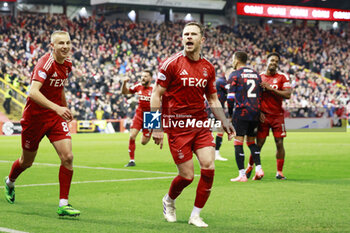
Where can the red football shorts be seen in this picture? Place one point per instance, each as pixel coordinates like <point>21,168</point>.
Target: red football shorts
<point>276,123</point>
<point>183,144</point>
<point>33,131</point>
<point>137,123</point>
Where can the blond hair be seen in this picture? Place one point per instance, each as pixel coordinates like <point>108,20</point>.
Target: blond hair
<point>53,35</point>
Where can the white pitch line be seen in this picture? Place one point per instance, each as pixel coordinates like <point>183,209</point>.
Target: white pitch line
<point>96,181</point>
<point>99,168</point>
<point>2,229</point>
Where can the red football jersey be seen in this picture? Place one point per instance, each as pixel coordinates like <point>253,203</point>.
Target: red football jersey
<point>271,103</point>
<point>53,76</point>
<point>144,94</point>
<point>186,81</point>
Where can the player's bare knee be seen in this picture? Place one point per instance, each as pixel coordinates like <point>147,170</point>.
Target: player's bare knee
<point>280,147</point>
<point>67,158</point>
<point>279,142</point>
<point>189,175</point>
<point>208,165</point>
<point>144,141</point>
<point>26,164</point>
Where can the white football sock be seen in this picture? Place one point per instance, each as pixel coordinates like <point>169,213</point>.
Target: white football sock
<point>63,202</point>
<point>10,183</point>
<point>169,199</point>
<point>196,211</point>
<point>257,168</point>
<point>242,172</point>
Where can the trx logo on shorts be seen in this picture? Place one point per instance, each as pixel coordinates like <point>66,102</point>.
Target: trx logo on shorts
<point>180,154</point>
<point>27,144</point>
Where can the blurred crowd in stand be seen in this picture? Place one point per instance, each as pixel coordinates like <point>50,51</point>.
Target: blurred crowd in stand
<point>104,52</point>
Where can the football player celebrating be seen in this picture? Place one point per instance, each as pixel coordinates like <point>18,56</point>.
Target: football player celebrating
<point>46,113</point>
<point>276,88</point>
<point>144,90</point>
<point>182,82</point>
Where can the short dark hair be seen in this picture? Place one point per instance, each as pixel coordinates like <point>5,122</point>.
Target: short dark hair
<point>241,56</point>
<point>148,71</point>
<point>199,25</point>
<point>274,54</point>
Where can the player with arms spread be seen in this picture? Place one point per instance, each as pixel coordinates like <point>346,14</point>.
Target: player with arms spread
<point>245,87</point>
<point>144,91</point>
<point>46,113</point>
<point>182,82</point>
<point>276,88</point>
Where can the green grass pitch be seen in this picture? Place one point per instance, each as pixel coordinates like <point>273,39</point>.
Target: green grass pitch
<point>315,198</point>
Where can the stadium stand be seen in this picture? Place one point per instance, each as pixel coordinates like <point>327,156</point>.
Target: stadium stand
<point>104,51</point>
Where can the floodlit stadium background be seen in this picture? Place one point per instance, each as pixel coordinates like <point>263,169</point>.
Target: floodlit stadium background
<point>114,39</point>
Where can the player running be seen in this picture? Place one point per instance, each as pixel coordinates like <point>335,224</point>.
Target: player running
<point>276,88</point>
<point>46,113</point>
<point>182,82</point>
<point>245,87</point>
<point>144,90</point>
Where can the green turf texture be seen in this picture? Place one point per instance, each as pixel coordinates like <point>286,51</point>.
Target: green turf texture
<point>315,198</point>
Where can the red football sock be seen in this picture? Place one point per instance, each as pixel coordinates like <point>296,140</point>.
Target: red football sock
<point>177,185</point>
<point>204,187</point>
<point>280,163</point>
<point>16,170</point>
<point>65,179</point>
<point>132,147</point>
<point>251,160</point>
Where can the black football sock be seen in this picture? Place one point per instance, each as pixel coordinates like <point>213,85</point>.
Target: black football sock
<point>239,156</point>
<point>255,152</point>
<point>218,142</point>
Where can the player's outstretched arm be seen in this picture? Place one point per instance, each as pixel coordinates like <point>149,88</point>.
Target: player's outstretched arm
<point>40,99</point>
<point>156,97</point>
<point>125,89</point>
<point>216,108</point>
